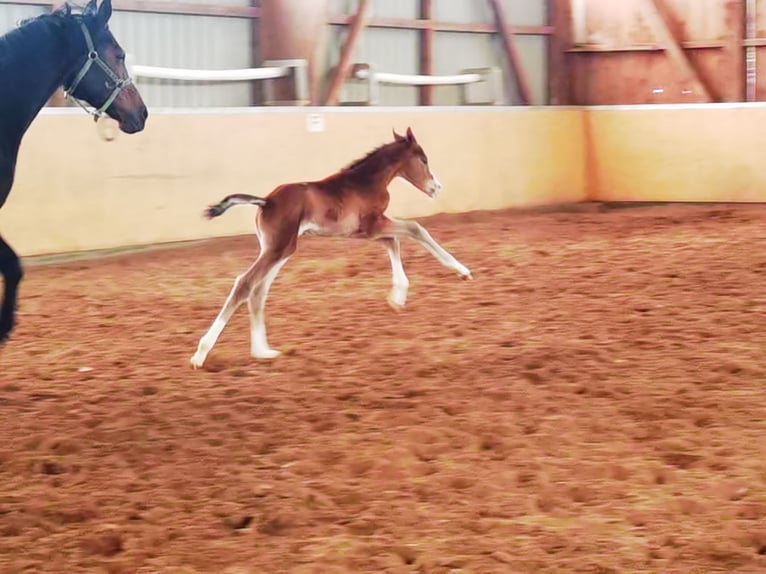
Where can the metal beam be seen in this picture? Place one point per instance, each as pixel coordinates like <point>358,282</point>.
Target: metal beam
<point>511,52</point>
<point>688,45</point>
<point>406,24</point>
<point>559,71</point>
<point>656,14</point>
<point>751,52</point>
<point>426,52</point>
<point>732,73</point>
<point>344,62</point>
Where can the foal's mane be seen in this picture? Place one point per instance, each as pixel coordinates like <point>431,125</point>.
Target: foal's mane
<point>376,160</point>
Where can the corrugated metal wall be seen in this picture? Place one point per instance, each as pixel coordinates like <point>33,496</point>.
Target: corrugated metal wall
<point>388,50</point>
<point>206,42</point>
<point>396,51</point>
<point>623,23</point>
<point>195,42</point>
<point>176,41</point>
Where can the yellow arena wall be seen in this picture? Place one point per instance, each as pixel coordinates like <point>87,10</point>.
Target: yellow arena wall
<point>701,153</point>
<point>76,192</point>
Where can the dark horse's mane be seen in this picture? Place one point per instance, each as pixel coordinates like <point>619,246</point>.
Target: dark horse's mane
<point>23,33</point>
<point>26,38</point>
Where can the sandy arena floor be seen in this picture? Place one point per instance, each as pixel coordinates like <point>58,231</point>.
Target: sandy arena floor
<point>595,401</point>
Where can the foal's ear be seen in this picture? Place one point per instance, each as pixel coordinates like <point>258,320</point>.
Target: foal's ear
<point>409,138</point>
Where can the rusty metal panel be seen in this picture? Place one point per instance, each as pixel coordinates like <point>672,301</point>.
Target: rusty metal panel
<point>700,19</point>
<point>11,14</point>
<point>760,14</point>
<point>192,42</point>
<point>617,24</point>
<point>640,75</point>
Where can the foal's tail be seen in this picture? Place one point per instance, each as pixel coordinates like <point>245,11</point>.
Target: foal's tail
<point>232,200</point>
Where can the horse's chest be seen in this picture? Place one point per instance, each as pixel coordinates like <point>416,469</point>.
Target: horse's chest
<point>6,182</point>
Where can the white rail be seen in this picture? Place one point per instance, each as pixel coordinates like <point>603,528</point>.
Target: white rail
<point>417,79</point>
<point>275,69</point>
<point>157,73</point>
<point>491,77</point>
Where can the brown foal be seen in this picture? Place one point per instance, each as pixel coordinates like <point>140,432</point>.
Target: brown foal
<point>349,203</point>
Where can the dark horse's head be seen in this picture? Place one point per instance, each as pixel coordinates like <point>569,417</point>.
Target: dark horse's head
<point>100,77</point>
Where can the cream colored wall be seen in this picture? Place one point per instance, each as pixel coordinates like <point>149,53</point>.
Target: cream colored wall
<point>678,153</point>
<point>76,192</point>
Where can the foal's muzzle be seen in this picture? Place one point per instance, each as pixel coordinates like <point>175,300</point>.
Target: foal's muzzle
<point>433,188</point>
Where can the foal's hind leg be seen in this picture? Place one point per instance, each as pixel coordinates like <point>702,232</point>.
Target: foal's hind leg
<point>398,295</point>
<point>10,269</point>
<point>241,292</point>
<point>259,345</point>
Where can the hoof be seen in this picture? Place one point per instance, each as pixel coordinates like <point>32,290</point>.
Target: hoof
<point>197,362</point>
<point>266,354</point>
<point>397,298</point>
<point>463,271</point>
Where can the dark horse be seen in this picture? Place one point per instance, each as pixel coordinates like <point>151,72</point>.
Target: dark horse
<point>78,52</point>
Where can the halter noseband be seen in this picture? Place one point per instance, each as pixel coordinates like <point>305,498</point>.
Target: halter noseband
<point>94,58</point>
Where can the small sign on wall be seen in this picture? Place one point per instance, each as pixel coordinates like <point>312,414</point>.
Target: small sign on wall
<point>315,123</point>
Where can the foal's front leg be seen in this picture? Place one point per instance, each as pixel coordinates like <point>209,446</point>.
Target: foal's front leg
<point>398,295</point>
<point>400,228</point>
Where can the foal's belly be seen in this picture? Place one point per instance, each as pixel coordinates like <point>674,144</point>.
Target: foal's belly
<point>344,227</point>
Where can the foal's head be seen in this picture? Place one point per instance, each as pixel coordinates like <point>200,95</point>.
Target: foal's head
<point>414,167</point>
<point>106,84</point>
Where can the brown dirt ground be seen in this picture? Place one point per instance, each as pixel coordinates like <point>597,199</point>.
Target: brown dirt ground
<point>595,401</point>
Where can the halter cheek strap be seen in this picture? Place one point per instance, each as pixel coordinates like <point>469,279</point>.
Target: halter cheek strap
<point>94,58</point>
